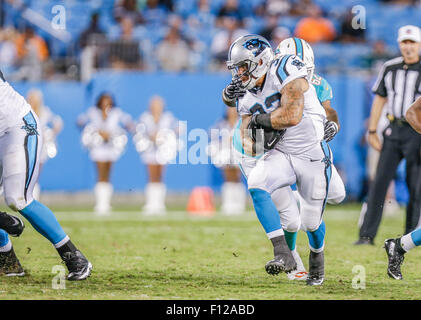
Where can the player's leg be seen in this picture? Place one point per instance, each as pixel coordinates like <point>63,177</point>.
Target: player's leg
<point>396,249</point>
<point>287,206</point>
<point>9,263</point>
<point>411,151</point>
<point>103,189</point>
<point>272,171</point>
<point>337,191</point>
<point>20,156</point>
<point>314,172</point>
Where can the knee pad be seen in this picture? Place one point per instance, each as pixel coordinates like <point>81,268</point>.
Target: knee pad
<point>337,199</point>
<point>311,218</point>
<point>292,226</point>
<point>257,179</point>
<point>16,203</point>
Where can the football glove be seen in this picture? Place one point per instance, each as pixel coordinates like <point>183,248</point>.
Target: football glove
<point>234,90</point>
<point>331,129</point>
<point>269,137</point>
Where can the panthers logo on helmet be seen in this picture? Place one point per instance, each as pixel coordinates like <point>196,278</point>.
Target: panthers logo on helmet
<point>298,64</point>
<point>256,46</point>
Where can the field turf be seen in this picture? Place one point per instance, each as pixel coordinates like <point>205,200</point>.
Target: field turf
<point>182,257</point>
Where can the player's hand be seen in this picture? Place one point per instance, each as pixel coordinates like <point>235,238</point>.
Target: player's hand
<point>374,141</point>
<point>234,90</point>
<point>331,130</point>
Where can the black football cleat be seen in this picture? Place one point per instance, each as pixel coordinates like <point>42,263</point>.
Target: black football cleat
<point>395,259</point>
<point>79,267</point>
<point>364,241</point>
<point>316,273</point>
<point>10,265</point>
<point>283,261</point>
<point>11,224</point>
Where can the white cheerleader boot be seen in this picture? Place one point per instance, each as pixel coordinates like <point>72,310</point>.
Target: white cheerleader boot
<point>155,194</point>
<point>103,192</point>
<point>233,198</point>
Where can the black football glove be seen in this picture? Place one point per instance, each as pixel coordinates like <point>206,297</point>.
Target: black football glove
<point>269,137</point>
<point>331,129</point>
<point>234,90</point>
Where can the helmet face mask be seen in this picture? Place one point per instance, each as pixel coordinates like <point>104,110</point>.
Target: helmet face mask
<point>249,59</point>
<point>244,71</point>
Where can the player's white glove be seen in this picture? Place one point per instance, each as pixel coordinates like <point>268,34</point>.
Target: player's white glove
<point>331,129</point>
<point>234,90</point>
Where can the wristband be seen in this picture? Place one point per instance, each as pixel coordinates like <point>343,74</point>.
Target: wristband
<point>372,131</point>
<point>264,121</point>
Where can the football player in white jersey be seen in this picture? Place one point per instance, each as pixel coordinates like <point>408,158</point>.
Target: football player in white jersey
<point>303,50</point>
<point>156,142</point>
<point>280,99</point>
<point>289,214</point>
<point>20,148</point>
<point>104,135</point>
<point>51,125</point>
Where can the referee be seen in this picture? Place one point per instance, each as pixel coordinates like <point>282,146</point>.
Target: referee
<point>397,87</point>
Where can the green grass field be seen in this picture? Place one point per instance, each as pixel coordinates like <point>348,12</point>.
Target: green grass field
<point>183,257</point>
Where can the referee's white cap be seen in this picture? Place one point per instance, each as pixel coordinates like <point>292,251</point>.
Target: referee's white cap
<point>409,32</point>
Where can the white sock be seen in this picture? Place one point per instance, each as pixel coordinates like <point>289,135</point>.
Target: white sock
<point>7,247</point>
<point>276,233</point>
<point>297,258</point>
<point>407,243</point>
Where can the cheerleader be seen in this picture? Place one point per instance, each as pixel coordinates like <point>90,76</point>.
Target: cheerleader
<point>233,193</point>
<point>156,142</point>
<point>104,134</point>
<point>51,125</point>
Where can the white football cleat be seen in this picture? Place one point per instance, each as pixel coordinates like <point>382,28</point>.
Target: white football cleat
<point>297,275</point>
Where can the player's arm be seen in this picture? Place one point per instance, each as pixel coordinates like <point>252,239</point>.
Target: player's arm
<point>331,126</point>
<point>249,145</point>
<point>331,114</point>
<point>413,115</point>
<point>291,108</point>
<point>375,114</point>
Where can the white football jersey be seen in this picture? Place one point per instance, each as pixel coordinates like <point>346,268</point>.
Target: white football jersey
<point>112,123</point>
<point>13,107</point>
<point>310,130</point>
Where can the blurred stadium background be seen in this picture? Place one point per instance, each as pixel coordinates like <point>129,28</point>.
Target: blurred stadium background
<point>177,49</point>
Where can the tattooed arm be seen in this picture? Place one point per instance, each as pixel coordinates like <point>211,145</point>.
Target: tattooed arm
<point>331,114</point>
<point>290,112</point>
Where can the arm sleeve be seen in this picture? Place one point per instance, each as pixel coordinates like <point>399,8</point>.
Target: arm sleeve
<point>379,86</point>
<point>326,93</point>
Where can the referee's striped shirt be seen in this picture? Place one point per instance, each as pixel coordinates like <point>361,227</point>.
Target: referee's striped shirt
<point>400,83</point>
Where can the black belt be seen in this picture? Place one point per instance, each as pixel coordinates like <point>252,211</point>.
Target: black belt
<point>398,121</point>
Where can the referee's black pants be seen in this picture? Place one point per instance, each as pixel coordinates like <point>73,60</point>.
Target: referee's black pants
<point>400,141</point>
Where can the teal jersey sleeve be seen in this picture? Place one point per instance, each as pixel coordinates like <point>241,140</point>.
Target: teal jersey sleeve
<point>323,88</point>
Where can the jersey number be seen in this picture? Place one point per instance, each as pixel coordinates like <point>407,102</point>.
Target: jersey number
<point>257,107</point>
